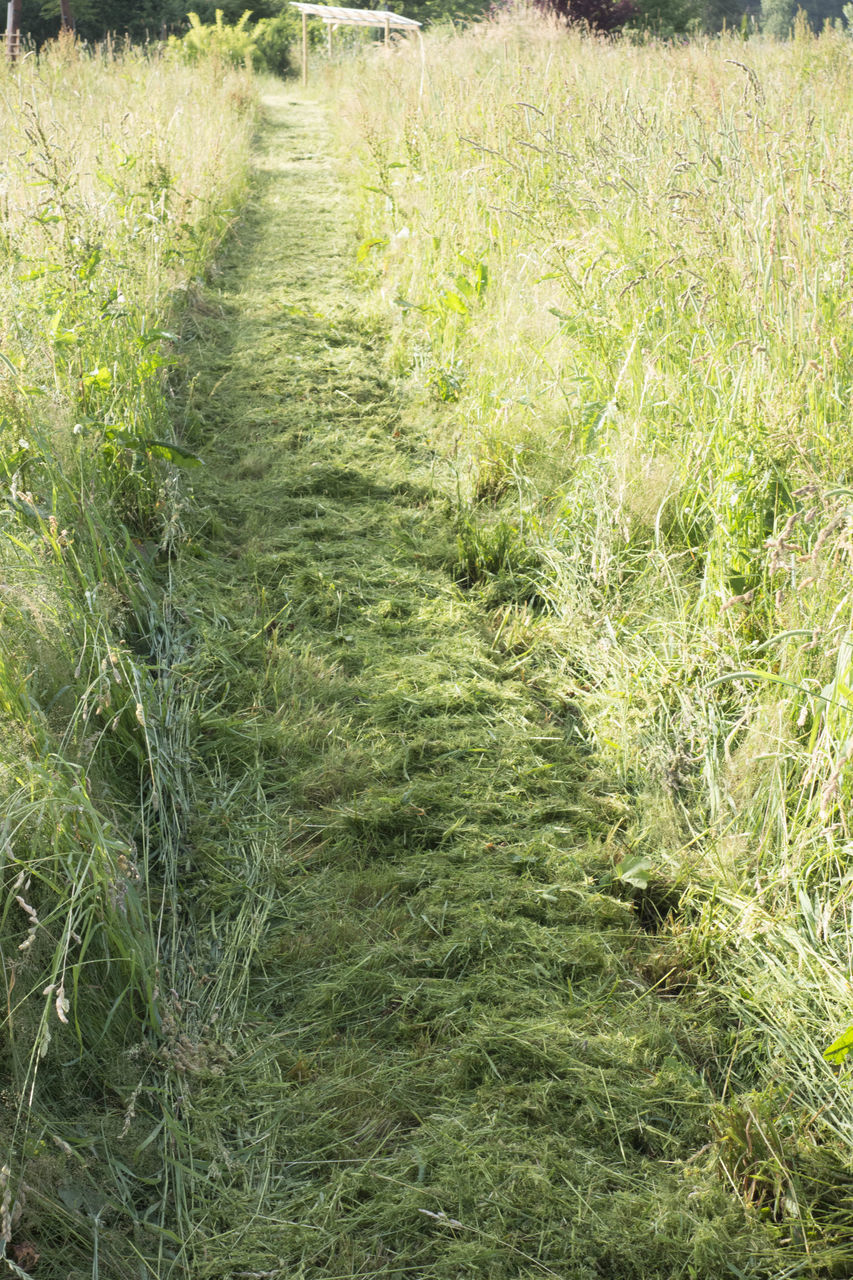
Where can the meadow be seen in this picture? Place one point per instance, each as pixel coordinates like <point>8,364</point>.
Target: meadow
<point>425,666</point>
<point>121,177</point>
<point>619,275</point>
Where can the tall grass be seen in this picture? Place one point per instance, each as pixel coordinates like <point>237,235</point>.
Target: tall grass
<point>121,176</point>
<point>620,275</point>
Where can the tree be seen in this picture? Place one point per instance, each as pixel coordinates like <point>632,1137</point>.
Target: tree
<point>777,17</point>
<point>137,19</point>
<point>598,15</point>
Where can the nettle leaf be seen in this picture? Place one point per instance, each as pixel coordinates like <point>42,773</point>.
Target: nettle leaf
<point>839,1049</point>
<point>100,376</point>
<point>155,335</point>
<point>453,302</point>
<point>372,242</point>
<point>634,871</point>
<point>174,453</point>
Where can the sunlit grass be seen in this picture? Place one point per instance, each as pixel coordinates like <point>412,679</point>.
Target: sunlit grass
<point>622,271</point>
<point>120,176</point>
<point>415,840</point>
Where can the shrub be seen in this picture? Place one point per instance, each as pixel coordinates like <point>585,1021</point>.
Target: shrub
<point>274,39</point>
<point>598,15</point>
<point>263,47</point>
<point>233,45</point>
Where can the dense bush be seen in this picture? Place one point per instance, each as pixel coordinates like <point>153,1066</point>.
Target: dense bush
<point>262,47</point>
<point>233,45</point>
<point>274,40</point>
<point>597,15</point>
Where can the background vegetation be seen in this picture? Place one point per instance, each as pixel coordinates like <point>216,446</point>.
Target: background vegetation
<point>154,20</point>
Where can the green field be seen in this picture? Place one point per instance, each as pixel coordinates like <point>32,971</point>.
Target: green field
<point>425,665</point>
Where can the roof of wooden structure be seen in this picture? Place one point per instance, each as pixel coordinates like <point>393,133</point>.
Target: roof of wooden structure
<point>335,16</point>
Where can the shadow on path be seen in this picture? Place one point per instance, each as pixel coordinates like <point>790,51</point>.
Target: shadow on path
<point>442,1061</point>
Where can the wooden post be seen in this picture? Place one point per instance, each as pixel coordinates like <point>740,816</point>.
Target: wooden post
<point>304,48</point>
<point>329,30</point>
<point>67,17</point>
<point>13,29</point>
<point>387,32</point>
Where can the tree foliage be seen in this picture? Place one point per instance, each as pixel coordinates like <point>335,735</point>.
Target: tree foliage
<point>598,15</point>
<point>274,25</point>
<point>138,20</point>
<point>777,17</point>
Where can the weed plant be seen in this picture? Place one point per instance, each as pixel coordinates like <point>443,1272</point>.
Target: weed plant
<point>619,275</point>
<point>121,174</point>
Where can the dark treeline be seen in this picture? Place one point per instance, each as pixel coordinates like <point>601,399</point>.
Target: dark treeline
<point>147,20</point>
<point>139,20</point>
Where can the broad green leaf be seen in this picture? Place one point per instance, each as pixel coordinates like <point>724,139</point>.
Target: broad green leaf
<point>155,335</point>
<point>372,242</point>
<point>453,302</point>
<point>634,871</point>
<point>839,1049</point>
<point>405,305</point>
<point>173,453</point>
<point>27,508</point>
<point>165,449</point>
<point>99,376</point>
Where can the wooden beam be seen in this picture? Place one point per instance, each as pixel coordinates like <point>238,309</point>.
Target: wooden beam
<point>13,29</point>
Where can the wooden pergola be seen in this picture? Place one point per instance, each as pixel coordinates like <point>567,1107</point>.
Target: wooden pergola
<point>334,17</point>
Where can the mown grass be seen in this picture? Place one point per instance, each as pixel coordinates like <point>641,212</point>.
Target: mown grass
<point>618,273</point>
<point>435,1033</point>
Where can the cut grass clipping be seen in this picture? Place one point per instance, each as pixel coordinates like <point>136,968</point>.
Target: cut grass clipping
<point>447,1042</point>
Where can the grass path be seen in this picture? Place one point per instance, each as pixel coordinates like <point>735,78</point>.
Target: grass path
<point>426,1041</point>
